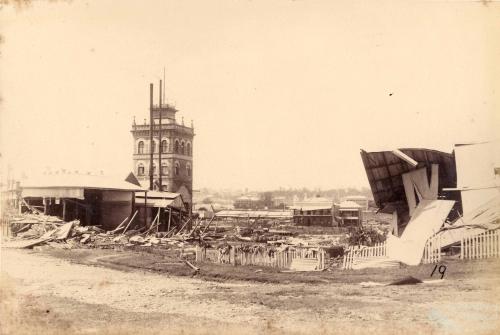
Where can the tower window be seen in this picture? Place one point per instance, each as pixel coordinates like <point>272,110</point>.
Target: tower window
<point>176,147</point>
<point>188,146</point>
<point>164,169</point>
<point>164,146</point>
<point>140,147</point>
<point>182,148</point>
<point>140,169</point>
<point>177,168</point>
<point>188,168</point>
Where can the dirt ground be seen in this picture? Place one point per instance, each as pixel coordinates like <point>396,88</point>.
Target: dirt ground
<point>107,292</point>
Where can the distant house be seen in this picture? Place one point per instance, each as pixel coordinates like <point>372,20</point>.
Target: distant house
<point>313,202</point>
<point>92,199</point>
<point>248,202</point>
<point>279,202</point>
<point>348,213</point>
<point>315,211</point>
<point>313,216</point>
<point>359,199</point>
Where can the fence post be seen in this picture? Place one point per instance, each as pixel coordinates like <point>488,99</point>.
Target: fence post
<point>472,246</point>
<point>232,254</point>
<point>495,242</point>
<point>487,242</point>
<point>464,237</point>
<point>462,248</point>
<point>438,238</point>
<point>479,246</point>
<point>495,245</point>
<point>468,246</point>
<point>344,260</point>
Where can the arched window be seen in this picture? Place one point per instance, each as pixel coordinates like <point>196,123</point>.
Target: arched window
<point>164,169</point>
<point>182,148</point>
<point>188,168</point>
<point>176,147</point>
<point>188,146</point>
<point>140,147</point>
<point>177,168</point>
<point>164,146</point>
<point>140,169</point>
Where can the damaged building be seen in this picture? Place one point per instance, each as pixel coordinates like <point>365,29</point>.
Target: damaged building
<point>166,207</point>
<point>92,199</point>
<point>400,178</point>
<point>440,202</point>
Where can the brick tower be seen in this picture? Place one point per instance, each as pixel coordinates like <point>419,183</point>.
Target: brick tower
<point>174,150</point>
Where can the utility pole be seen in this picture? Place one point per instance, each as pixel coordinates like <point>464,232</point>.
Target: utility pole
<point>151,143</point>
<point>160,147</point>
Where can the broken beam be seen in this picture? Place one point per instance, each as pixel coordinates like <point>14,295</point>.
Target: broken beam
<point>405,157</point>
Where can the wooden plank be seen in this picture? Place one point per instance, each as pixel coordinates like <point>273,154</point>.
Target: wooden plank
<point>64,209</point>
<point>196,226</point>
<point>405,157</point>
<point>132,219</point>
<point>197,269</point>
<point>119,227</point>
<point>64,231</point>
<point>462,248</point>
<point>184,225</point>
<point>169,218</point>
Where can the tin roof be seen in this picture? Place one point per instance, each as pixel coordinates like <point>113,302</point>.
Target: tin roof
<point>82,181</point>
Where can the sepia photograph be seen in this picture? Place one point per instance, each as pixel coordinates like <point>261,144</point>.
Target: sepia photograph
<point>249,167</point>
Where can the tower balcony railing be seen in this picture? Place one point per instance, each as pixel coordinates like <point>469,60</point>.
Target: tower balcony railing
<point>165,106</point>
<point>147,151</point>
<point>164,126</point>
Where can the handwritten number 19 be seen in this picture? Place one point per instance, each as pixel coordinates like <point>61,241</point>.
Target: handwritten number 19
<point>441,270</point>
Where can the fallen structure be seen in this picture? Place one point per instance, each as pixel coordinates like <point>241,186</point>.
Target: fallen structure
<point>438,201</point>
<point>167,209</point>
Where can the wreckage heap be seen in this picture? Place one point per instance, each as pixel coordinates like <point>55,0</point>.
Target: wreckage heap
<point>438,200</point>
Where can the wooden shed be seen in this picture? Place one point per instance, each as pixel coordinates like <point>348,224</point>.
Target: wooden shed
<point>93,199</point>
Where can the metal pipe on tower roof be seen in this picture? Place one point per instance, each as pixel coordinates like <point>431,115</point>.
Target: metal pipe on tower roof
<point>151,144</point>
<point>160,147</point>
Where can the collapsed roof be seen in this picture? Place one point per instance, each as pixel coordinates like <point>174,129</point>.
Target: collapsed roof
<point>385,169</point>
<point>160,200</point>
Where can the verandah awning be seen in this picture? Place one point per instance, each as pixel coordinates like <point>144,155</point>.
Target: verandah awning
<point>53,192</point>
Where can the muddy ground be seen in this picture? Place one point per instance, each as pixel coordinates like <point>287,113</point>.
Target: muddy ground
<point>99,291</point>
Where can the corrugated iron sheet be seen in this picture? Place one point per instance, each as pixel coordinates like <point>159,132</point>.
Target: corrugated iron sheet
<point>384,171</point>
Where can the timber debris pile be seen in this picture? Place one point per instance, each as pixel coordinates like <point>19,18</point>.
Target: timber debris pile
<point>435,206</point>
<point>33,229</point>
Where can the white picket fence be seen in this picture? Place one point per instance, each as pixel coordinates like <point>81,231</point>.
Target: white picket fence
<point>262,257</point>
<point>357,253</point>
<point>484,245</point>
<point>432,250</point>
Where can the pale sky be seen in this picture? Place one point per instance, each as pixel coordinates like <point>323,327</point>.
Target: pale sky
<point>282,93</point>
